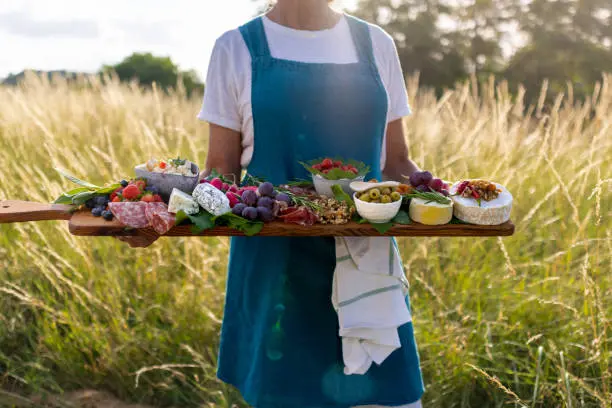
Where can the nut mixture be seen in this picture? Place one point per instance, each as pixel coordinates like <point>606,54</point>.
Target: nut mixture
<point>332,211</point>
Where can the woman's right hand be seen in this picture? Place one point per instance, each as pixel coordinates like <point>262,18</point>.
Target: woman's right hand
<point>138,241</point>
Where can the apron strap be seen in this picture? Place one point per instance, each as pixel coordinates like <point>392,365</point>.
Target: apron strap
<point>360,32</point>
<point>255,38</point>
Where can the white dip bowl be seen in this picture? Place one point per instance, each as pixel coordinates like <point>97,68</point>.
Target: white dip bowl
<point>323,186</point>
<point>377,213</point>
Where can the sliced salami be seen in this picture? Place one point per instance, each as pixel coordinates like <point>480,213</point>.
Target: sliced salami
<point>154,208</point>
<point>162,222</point>
<point>159,217</point>
<point>132,214</point>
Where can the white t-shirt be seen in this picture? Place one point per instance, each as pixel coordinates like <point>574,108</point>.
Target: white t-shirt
<point>227,97</point>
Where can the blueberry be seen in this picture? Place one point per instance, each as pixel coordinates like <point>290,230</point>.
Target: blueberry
<point>101,201</point>
<point>153,189</point>
<point>107,215</point>
<point>97,212</point>
<point>124,183</point>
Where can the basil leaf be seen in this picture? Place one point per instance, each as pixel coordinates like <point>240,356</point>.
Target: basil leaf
<point>382,228</point>
<point>340,195</point>
<point>63,199</point>
<point>180,217</point>
<point>234,221</point>
<point>201,221</point>
<point>402,218</point>
<point>81,198</point>
<point>107,190</point>
<point>74,179</point>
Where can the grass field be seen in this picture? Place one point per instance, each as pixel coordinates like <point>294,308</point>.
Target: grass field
<point>520,321</point>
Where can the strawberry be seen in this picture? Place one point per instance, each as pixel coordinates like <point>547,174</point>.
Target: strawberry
<point>317,166</point>
<point>337,163</point>
<point>117,199</point>
<point>131,192</point>
<point>233,188</point>
<point>225,187</point>
<point>326,171</point>
<point>141,184</point>
<point>327,164</point>
<point>147,198</point>
<point>157,198</point>
<point>354,170</point>
<point>162,165</point>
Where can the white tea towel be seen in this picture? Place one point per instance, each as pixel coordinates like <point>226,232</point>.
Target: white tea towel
<point>369,289</point>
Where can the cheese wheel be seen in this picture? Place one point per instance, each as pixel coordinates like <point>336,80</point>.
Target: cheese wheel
<point>430,213</point>
<point>492,212</point>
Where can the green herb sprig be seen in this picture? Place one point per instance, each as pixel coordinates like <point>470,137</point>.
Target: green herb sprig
<point>429,196</point>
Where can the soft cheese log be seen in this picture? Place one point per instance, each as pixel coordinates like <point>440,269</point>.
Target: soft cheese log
<point>430,213</point>
<point>492,212</point>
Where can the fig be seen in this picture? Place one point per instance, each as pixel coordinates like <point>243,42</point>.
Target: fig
<point>265,202</point>
<point>423,188</point>
<point>249,197</point>
<point>265,214</point>
<point>250,213</point>
<point>239,208</point>
<point>436,184</point>
<point>266,189</point>
<point>284,198</point>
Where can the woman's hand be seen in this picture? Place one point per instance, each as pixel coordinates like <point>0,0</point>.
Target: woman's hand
<point>138,241</point>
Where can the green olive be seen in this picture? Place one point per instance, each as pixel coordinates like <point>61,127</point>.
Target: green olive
<point>374,193</point>
<point>386,191</point>
<point>365,197</point>
<point>395,196</point>
<point>386,199</point>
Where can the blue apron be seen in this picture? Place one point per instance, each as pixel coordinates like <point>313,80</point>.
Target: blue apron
<point>279,339</point>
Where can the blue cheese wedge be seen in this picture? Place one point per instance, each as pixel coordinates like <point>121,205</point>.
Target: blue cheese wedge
<point>182,201</point>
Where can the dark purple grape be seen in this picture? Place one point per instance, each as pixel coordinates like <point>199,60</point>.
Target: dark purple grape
<point>250,213</point>
<point>97,212</point>
<point>266,189</point>
<point>436,184</point>
<point>265,202</point>
<point>284,198</point>
<point>249,197</point>
<point>423,188</point>
<point>426,177</point>
<point>91,203</point>
<point>445,192</point>
<point>239,208</point>
<point>265,214</point>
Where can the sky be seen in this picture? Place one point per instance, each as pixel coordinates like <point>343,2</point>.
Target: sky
<point>82,35</point>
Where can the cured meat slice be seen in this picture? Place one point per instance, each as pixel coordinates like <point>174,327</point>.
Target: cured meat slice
<point>162,222</point>
<point>159,217</point>
<point>154,208</point>
<point>299,215</point>
<point>132,214</point>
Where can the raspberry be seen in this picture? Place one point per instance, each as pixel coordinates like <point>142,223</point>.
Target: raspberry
<point>217,183</point>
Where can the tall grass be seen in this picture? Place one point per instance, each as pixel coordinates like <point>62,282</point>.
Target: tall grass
<point>519,321</point>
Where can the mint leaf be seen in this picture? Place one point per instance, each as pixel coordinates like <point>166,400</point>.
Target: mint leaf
<point>456,220</point>
<point>180,217</point>
<point>402,218</point>
<point>81,198</point>
<point>107,190</point>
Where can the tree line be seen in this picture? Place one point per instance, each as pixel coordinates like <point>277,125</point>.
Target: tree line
<point>447,41</point>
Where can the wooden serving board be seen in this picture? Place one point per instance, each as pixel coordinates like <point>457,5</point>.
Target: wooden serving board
<point>82,223</point>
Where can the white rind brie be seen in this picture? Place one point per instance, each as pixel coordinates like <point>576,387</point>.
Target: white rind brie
<point>430,213</point>
<point>492,212</point>
<point>182,201</point>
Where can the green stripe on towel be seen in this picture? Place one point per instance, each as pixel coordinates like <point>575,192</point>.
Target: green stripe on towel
<point>368,294</point>
<point>343,258</point>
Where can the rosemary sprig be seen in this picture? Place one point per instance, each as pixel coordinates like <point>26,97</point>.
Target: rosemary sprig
<point>429,196</point>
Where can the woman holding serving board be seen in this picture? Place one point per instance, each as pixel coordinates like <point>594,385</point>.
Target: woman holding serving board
<point>301,82</point>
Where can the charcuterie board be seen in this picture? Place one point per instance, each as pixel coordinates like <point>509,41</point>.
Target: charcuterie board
<point>83,223</point>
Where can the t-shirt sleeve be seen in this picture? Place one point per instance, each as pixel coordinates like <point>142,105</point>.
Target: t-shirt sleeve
<point>220,104</point>
<point>393,77</point>
<point>398,97</point>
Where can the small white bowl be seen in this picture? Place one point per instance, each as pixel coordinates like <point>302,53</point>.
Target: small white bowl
<point>377,213</point>
<point>323,186</point>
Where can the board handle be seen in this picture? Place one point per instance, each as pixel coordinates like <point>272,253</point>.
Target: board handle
<point>24,211</point>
